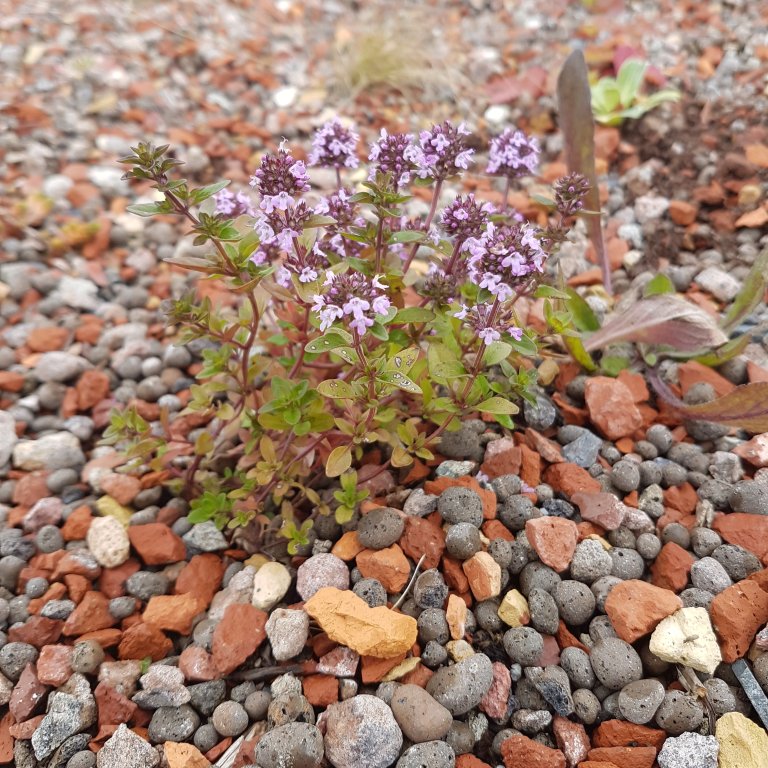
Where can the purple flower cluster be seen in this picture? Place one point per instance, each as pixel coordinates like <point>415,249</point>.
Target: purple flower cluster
<point>393,153</point>
<point>351,295</point>
<point>464,218</point>
<point>339,207</point>
<point>513,154</point>
<point>279,175</point>
<point>489,322</point>
<point>442,151</point>
<point>306,265</point>
<point>503,257</point>
<point>283,222</point>
<point>443,287</point>
<point>334,146</point>
<point>235,205</point>
<point>569,193</point>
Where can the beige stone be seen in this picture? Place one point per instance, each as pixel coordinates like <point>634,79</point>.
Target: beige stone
<point>513,610</point>
<point>347,619</point>
<point>484,576</point>
<point>270,585</point>
<point>184,756</point>
<point>743,744</point>
<point>459,649</point>
<point>456,615</point>
<point>686,637</point>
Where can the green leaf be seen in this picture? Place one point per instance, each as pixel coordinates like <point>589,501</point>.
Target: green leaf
<point>496,352</point>
<point>549,292</point>
<point>399,380</point>
<point>497,405</point>
<point>404,360</point>
<point>150,209</point>
<point>629,80</point>
<point>414,315</point>
<point>751,293</point>
<point>443,363</point>
<point>339,461</point>
<point>658,285</point>
<point>336,388</point>
<point>613,365</point>
<point>525,346</point>
<point>378,331</point>
<point>331,340</point>
<point>584,317</point>
<point>575,346</point>
<point>318,221</point>
<point>406,236</point>
<point>727,352</point>
<point>577,125</point>
<point>197,196</point>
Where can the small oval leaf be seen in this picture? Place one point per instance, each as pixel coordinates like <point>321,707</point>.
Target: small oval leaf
<point>336,388</point>
<point>339,461</point>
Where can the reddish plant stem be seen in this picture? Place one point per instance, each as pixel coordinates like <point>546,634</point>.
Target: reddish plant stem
<point>427,223</point>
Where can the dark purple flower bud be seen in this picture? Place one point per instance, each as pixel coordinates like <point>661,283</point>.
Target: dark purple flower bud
<point>464,218</point>
<point>442,151</point>
<point>570,192</point>
<point>280,175</point>
<point>339,207</point>
<point>513,154</point>
<point>334,146</point>
<point>441,287</point>
<point>392,153</point>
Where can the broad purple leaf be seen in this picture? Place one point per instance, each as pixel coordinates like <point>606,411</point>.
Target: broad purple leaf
<point>664,320</point>
<point>575,109</point>
<point>746,407</point>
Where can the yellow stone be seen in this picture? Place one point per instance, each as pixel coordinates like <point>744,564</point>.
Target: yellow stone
<point>256,561</point>
<point>513,610</point>
<point>109,507</point>
<point>743,744</point>
<point>456,615</point>
<point>402,669</point>
<point>459,650</point>
<point>184,756</point>
<point>347,619</point>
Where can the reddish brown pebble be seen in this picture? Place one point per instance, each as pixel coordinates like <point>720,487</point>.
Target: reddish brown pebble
<point>484,576</point>
<point>6,740</point>
<point>612,407</point>
<point>570,478</point>
<point>53,665</point>
<point>390,566</point>
<point>112,581</point>
<point>502,457</point>
<point>202,576</point>
<point>620,733</point>
<point>601,508</point>
<point>522,752</point>
<point>321,690</point>
<point>672,567</point>
<point>27,695</point>
<point>37,631</point>
<point>156,544</point>
<point>122,488</point>
<point>625,757</point>
<point>239,633</point>
<point>142,640</point>
<point>572,740</point>
<point>348,547</point>
<point>554,540</point>
<point>113,707</point>
<point>636,607</point>
<point>92,614</point>
<point>172,612</point>
<point>197,665</point>
<point>10,381</point>
<point>92,387</point>
<point>77,524</point>
<point>470,761</point>
<point>737,613</point>
<point>496,700</point>
<point>745,530</point>
<point>423,537</point>
<point>682,212</point>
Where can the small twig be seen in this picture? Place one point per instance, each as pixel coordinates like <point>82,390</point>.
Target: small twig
<point>265,673</point>
<point>401,599</point>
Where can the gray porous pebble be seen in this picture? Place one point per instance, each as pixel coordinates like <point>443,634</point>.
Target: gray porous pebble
<point>205,537</point>
<point>555,687</point>
<point>361,731</point>
<point>689,750</point>
<point>257,704</point>
<point>625,475</point>
<point>737,561</point>
<point>429,754</point>
<point>57,609</point>
<point>87,656</point>
<point>460,505</point>
<point>638,701</point>
<point>434,655</point>
<point>323,570</point>
<point>590,561</point>
<point>627,563</point>
<point>372,591</point>
<point>462,541</point>
<point>205,697</point>
<point>287,631</point>
<point>455,468</point>
<point>173,724</point>
<point>586,706</point>
<point>648,546</point>
<point>516,511</point>
<point>288,708</point>
<point>14,657</point>
<point>462,686</point>
<point>380,528</point>
<point>230,718</point>
<point>433,625</point>
<point>602,588</point>
<point>536,575</point>
<point>578,667</point>
<point>419,715</point>
<point>696,598</point>
<point>146,584</point>
<point>162,686</point>
<point>679,712</point>
<point>531,721</point>
<point>128,750</point>
<point>524,645</point>
<point>82,759</point>
<point>543,610</point>
<point>575,601</point>
<point>460,738</point>
<point>298,745</point>
<point>430,589</point>
<point>463,443</point>
<point>749,496</point>
<point>121,607</point>
<point>506,486</point>
<point>420,504</point>
<point>616,663</point>
<point>542,415</point>
<point>705,541</point>
<point>709,574</point>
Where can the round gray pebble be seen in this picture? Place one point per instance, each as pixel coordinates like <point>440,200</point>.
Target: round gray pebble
<point>524,645</point>
<point>678,713</point>
<point>578,667</point>
<point>428,754</point>
<point>586,706</point>
<point>616,663</point>
<point>256,705</point>
<point>298,745</point>
<point>82,759</point>
<point>590,561</point>
<point>648,546</point>
<point>430,589</point>
<point>543,609</point>
<point>627,563</point>
<point>380,528</point>
<point>639,701</point>
<point>206,737</point>
<point>710,575</point>
<point>14,657</point>
<point>463,540</point>
<point>372,591</point>
<point>460,505</point>
<point>173,724</point>
<point>462,686</point>
<point>433,625</point>
<point>86,657</point>
<point>575,601</point>
<point>230,718</point>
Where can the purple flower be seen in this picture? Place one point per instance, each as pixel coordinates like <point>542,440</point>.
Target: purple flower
<point>440,286</point>
<point>569,193</point>
<point>464,218</point>
<point>279,178</point>
<point>334,146</point>
<point>235,205</point>
<point>502,259</point>
<point>283,222</point>
<point>513,154</point>
<point>442,151</point>
<point>393,153</point>
<point>489,322</point>
<point>339,207</point>
<point>351,295</point>
<point>307,266</point>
